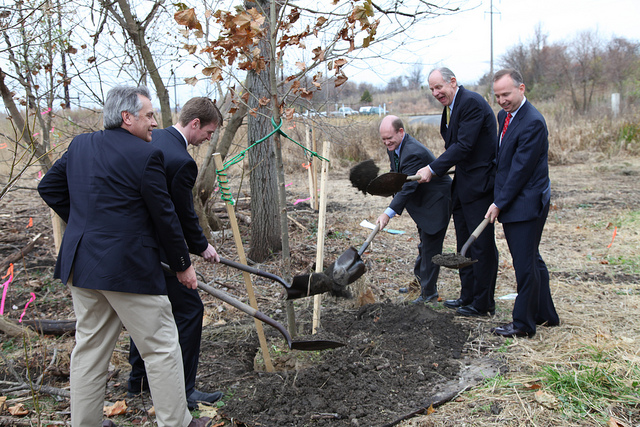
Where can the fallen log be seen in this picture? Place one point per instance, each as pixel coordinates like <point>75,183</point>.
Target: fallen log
<point>18,255</point>
<point>51,327</point>
<point>12,329</point>
<point>41,326</point>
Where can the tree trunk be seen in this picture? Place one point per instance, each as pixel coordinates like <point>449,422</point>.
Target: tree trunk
<point>265,225</point>
<point>136,31</point>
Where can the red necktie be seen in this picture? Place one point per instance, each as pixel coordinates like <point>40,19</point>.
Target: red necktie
<point>506,125</point>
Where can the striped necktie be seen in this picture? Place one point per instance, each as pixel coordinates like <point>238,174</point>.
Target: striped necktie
<point>506,125</point>
<point>448,114</point>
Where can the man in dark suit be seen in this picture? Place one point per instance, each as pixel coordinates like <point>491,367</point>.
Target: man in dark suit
<point>468,127</point>
<point>429,205</point>
<point>110,188</point>
<point>521,202</point>
<point>199,118</point>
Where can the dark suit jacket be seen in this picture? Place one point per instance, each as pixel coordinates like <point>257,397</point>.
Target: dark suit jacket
<point>111,189</point>
<point>471,143</point>
<point>429,204</point>
<point>182,172</point>
<point>522,187</point>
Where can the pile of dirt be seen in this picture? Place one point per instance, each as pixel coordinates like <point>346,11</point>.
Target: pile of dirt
<point>396,355</point>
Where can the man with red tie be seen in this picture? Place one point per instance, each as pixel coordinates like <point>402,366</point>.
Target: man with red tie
<point>521,202</point>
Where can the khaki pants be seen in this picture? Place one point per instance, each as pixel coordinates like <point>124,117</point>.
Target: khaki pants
<point>100,316</point>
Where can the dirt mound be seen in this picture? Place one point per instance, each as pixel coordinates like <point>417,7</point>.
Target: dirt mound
<point>395,356</point>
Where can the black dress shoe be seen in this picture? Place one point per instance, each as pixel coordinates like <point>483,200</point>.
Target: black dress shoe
<point>454,303</point>
<point>108,423</point>
<point>470,311</point>
<point>200,396</point>
<point>509,331</point>
<point>421,299</point>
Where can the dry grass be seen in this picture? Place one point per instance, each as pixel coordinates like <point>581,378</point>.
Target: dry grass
<point>588,369</point>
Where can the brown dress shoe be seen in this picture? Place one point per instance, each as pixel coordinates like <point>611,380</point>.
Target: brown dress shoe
<point>199,422</point>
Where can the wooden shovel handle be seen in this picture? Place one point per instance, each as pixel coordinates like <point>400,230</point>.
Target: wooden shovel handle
<point>417,177</point>
<point>370,237</point>
<point>474,236</point>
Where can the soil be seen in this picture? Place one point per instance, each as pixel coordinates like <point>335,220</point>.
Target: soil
<point>397,356</point>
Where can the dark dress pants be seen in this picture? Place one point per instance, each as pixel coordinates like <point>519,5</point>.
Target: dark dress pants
<point>533,304</point>
<point>188,311</point>
<point>478,281</point>
<point>426,271</point>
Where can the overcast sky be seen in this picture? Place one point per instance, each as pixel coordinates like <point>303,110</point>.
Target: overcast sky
<point>466,38</point>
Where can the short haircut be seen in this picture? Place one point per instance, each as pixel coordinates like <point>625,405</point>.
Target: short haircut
<point>511,72</point>
<point>397,124</point>
<point>200,108</point>
<point>119,99</point>
<point>447,74</point>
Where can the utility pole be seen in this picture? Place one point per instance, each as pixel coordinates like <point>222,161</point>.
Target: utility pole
<point>491,13</point>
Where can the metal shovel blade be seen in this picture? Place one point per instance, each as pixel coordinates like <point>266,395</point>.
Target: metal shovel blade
<point>349,266</point>
<point>389,183</point>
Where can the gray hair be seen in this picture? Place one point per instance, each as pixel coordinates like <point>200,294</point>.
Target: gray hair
<point>511,72</point>
<point>447,74</point>
<point>119,99</point>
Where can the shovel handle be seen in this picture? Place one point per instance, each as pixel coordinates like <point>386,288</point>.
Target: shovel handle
<point>370,237</point>
<point>255,271</point>
<point>474,236</point>
<point>239,305</point>
<point>417,177</point>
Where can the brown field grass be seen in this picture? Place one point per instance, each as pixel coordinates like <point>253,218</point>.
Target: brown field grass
<point>585,372</point>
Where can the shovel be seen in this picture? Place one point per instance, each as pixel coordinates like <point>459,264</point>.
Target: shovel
<point>460,260</point>
<point>293,345</point>
<point>349,266</point>
<point>390,183</point>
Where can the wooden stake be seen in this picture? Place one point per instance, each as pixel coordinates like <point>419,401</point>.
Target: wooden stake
<point>314,166</point>
<point>247,278</point>
<point>313,192</point>
<point>322,219</point>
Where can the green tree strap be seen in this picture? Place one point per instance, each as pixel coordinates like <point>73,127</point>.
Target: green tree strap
<point>223,182</point>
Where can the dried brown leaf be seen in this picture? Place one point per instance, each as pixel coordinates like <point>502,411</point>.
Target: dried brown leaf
<point>118,408</point>
<point>18,410</point>
<point>188,18</point>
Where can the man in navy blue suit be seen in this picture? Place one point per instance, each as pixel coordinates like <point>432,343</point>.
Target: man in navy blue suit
<point>199,119</point>
<point>110,188</point>
<point>468,127</point>
<point>521,202</point>
<point>429,205</point>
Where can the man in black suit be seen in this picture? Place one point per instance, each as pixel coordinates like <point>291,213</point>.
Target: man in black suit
<point>199,118</point>
<point>468,127</point>
<point>110,188</point>
<point>429,205</point>
<point>521,202</point>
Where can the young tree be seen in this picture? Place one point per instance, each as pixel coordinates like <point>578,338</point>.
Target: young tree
<point>333,33</point>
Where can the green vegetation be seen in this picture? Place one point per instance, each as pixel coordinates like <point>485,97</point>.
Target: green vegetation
<point>588,387</point>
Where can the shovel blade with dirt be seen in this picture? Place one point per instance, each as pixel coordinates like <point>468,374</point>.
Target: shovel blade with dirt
<point>311,345</point>
<point>460,260</point>
<point>390,183</point>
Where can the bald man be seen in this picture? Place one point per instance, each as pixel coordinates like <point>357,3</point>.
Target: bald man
<point>429,205</point>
